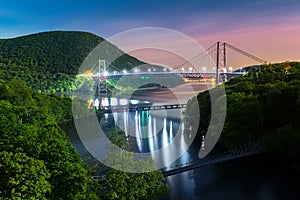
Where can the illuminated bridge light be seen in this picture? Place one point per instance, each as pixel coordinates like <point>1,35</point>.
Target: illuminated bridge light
<point>104,102</point>
<point>96,103</point>
<point>123,102</point>
<point>113,101</point>
<point>134,102</point>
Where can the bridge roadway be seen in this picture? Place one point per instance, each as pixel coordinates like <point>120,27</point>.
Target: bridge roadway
<point>186,74</point>
<point>253,148</point>
<point>142,108</point>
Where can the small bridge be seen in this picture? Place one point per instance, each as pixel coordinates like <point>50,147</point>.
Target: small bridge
<point>253,148</point>
<point>141,108</point>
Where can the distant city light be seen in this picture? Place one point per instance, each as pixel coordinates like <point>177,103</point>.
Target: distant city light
<point>190,68</point>
<point>230,68</point>
<point>182,69</point>
<point>204,69</point>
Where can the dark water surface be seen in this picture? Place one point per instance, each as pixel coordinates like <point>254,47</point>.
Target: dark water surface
<point>244,179</point>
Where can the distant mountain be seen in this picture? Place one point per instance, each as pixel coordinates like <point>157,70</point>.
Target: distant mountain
<point>49,61</point>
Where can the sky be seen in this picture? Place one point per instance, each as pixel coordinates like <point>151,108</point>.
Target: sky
<point>269,29</point>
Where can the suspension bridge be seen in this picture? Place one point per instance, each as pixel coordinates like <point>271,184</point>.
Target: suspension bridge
<point>211,63</point>
<point>252,148</point>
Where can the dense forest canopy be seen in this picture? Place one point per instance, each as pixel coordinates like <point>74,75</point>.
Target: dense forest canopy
<point>37,161</point>
<point>49,61</point>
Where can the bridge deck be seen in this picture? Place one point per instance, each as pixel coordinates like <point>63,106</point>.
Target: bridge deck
<point>250,149</point>
<point>141,108</point>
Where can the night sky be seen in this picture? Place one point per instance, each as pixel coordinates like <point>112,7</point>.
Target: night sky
<point>269,29</point>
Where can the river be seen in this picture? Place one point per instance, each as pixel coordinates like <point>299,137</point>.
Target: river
<point>242,179</point>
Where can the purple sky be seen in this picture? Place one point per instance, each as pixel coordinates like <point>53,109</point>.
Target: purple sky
<point>269,29</point>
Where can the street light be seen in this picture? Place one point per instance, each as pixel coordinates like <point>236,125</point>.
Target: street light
<point>230,68</point>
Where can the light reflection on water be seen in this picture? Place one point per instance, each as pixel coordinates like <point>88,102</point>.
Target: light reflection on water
<point>151,129</point>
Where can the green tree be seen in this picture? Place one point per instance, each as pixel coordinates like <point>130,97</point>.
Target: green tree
<point>23,177</point>
<point>117,183</point>
<point>31,129</point>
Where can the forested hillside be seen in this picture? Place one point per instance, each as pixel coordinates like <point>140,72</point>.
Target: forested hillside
<point>36,159</point>
<point>49,61</point>
<point>263,104</point>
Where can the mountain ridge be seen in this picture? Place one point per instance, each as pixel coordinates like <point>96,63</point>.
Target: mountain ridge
<point>48,61</point>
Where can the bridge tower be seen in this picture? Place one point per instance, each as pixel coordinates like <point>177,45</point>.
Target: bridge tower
<point>101,87</point>
<point>221,67</point>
